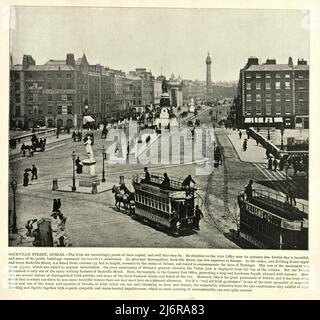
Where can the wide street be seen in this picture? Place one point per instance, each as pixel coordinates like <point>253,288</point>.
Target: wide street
<point>92,219</point>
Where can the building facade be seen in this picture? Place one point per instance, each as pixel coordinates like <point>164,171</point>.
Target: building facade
<point>56,93</point>
<point>274,95</point>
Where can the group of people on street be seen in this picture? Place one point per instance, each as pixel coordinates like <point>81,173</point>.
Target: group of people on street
<point>34,172</point>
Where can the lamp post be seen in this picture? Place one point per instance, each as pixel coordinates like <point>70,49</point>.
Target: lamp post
<point>14,213</point>
<point>103,157</point>
<point>282,131</point>
<point>73,157</point>
<point>268,129</point>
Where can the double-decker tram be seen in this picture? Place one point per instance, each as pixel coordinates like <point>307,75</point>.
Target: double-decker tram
<point>269,221</point>
<point>171,207</point>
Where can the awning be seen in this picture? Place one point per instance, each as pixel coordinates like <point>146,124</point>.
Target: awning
<point>87,119</point>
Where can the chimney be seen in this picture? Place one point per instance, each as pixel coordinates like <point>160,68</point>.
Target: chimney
<point>70,59</point>
<point>252,61</point>
<point>271,61</point>
<point>290,62</point>
<point>27,61</point>
<point>302,62</point>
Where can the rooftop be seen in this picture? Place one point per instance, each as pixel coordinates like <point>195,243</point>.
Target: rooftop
<point>276,67</point>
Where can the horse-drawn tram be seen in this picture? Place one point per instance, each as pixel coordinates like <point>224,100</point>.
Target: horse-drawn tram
<point>268,221</point>
<point>171,207</point>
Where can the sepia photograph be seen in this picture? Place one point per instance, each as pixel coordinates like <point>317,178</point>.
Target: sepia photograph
<point>158,127</point>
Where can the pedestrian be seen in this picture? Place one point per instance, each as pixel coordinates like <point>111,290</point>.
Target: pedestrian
<point>78,165</point>
<point>166,182</point>
<point>240,134</point>
<point>281,163</point>
<point>270,163</point>
<point>25,178</point>
<point>34,172</point>
<point>128,148</point>
<point>23,150</point>
<point>267,153</point>
<point>292,195</point>
<point>275,164</point>
<point>55,206</point>
<point>197,217</point>
<point>244,146</point>
<point>248,191</point>
<point>74,136</point>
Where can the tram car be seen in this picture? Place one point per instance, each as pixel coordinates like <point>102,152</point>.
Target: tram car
<point>172,208</point>
<point>268,221</point>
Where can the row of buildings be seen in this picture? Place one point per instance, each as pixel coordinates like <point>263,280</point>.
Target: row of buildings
<point>272,95</point>
<point>55,93</point>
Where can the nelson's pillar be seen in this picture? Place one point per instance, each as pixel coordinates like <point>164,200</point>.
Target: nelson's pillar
<point>208,83</point>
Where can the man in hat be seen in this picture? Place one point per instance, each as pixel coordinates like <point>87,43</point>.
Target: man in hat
<point>198,216</point>
<point>146,176</point>
<point>248,191</point>
<point>34,172</point>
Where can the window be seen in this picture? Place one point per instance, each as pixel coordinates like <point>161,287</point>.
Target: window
<point>49,85</point>
<point>59,85</point>
<point>248,76</point>
<point>68,75</point>
<point>287,75</point>
<point>258,97</point>
<point>288,97</point>
<point>64,97</point>
<point>35,97</point>
<point>268,97</point>
<point>288,108</point>
<point>69,85</point>
<point>248,86</point>
<point>18,111</point>
<point>69,97</point>
<point>268,85</point>
<point>49,97</point>
<point>258,108</point>
<point>268,76</point>
<point>278,97</point>
<point>268,108</point>
<point>17,98</point>
<point>49,109</point>
<point>248,98</point>
<point>287,85</point>
<point>59,109</point>
<point>277,85</point>
<point>69,109</point>
<point>300,96</point>
<point>258,75</point>
<point>258,86</point>
<point>278,108</point>
<point>278,75</point>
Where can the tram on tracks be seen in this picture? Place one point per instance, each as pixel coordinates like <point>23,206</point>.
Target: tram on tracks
<point>268,221</point>
<point>172,208</point>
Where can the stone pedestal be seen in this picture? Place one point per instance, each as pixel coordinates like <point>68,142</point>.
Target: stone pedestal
<point>88,173</point>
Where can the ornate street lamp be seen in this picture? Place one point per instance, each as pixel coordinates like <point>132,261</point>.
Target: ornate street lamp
<point>103,157</point>
<point>14,213</point>
<point>73,157</point>
<point>282,131</point>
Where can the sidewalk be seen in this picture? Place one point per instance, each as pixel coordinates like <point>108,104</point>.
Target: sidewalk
<point>254,153</point>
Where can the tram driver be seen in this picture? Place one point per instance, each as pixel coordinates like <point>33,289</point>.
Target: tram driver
<point>187,181</point>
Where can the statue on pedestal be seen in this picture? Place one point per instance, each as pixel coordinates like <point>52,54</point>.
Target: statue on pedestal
<point>89,148</point>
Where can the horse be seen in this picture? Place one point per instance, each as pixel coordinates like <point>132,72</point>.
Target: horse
<point>122,197</point>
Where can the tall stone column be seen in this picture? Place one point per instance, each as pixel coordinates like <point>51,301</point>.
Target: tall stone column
<point>208,82</point>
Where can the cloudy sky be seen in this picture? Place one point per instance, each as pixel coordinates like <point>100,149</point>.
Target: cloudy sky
<point>175,39</point>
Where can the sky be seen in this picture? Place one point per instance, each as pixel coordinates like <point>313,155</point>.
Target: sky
<point>172,40</point>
